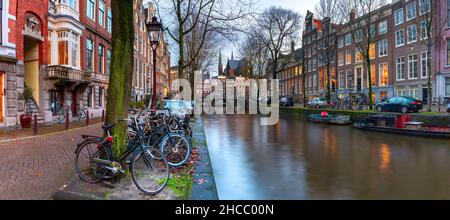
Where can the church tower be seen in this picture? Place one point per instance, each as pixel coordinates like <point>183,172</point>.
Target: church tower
<point>220,67</point>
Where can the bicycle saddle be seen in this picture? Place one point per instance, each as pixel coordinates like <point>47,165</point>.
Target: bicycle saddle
<point>108,126</point>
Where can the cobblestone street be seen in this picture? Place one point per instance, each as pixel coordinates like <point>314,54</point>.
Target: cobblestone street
<point>35,167</point>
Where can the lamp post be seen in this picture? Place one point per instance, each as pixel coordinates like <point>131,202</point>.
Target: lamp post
<point>154,29</point>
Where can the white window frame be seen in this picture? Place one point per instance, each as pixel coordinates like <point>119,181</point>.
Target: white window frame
<point>397,22</point>
<point>383,48</point>
<point>407,11</point>
<point>411,66</point>
<point>402,37</point>
<point>93,9</point>
<point>424,58</point>
<point>408,41</point>
<point>398,65</point>
<point>380,75</point>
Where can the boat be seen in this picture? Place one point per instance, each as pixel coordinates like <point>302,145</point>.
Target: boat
<point>330,119</point>
<point>402,124</point>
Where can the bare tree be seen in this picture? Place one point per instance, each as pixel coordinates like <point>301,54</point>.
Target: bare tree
<point>430,34</point>
<point>329,12</point>
<point>277,27</point>
<point>365,15</point>
<point>253,49</point>
<point>218,16</point>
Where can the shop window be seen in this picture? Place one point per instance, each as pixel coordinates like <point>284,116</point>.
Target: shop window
<point>384,74</point>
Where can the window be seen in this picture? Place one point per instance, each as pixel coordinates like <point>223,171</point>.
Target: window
<point>348,57</point>
<point>382,27</point>
<point>373,30</point>
<point>399,17</point>
<point>358,36</point>
<point>383,48</point>
<point>349,76</point>
<point>348,39</point>
<point>384,74</point>
<point>424,64</point>
<point>109,20</point>
<point>108,61</point>
<point>372,53</point>
<point>447,86</point>
<point>89,54</point>
<point>90,97</point>
<point>358,55</point>
<point>314,63</point>
<point>341,59</point>
<point>401,91</point>
<point>448,52</point>
<point>423,30</point>
<point>412,66</point>
<point>101,57</point>
<point>101,13</point>
<point>411,11</point>
<point>448,13</point>
<point>101,97</point>
<point>341,41</point>
<point>424,6</point>
<point>74,50</point>
<point>414,92</point>
<point>400,69</point>
<point>412,34</point>
<point>91,9</point>
<point>341,80</point>
<point>399,38</point>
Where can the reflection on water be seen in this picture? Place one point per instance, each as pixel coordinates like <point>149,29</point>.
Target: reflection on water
<point>296,159</point>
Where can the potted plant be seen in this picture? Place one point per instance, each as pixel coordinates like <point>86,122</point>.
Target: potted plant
<point>25,119</point>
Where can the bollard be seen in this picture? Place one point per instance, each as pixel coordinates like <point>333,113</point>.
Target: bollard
<point>103,115</point>
<point>67,119</point>
<point>35,128</point>
<point>87,117</point>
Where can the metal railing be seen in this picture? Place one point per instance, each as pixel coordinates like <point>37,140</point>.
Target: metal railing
<point>67,73</point>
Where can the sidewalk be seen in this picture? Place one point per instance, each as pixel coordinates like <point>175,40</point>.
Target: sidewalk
<point>37,166</point>
<point>18,132</point>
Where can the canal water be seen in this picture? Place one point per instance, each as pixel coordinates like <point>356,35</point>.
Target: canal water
<point>296,159</point>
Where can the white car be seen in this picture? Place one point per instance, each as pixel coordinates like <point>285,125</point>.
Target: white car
<point>317,103</point>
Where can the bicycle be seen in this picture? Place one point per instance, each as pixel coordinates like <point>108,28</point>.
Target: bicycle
<point>148,167</point>
<point>65,109</point>
<point>175,144</point>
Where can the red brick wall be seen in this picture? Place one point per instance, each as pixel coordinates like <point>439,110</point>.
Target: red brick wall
<point>40,9</point>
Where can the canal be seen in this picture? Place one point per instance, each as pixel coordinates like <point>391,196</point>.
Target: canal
<point>296,159</point>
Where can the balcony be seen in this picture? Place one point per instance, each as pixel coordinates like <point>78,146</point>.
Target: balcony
<point>99,77</point>
<point>68,74</point>
<point>60,9</point>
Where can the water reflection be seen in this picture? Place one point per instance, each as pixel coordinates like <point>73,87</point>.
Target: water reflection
<point>296,159</point>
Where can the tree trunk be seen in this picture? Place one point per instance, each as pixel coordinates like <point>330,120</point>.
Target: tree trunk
<point>304,85</point>
<point>328,84</point>
<point>180,42</point>
<point>430,95</point>
<point>369,75</point>
<point>119,89</point>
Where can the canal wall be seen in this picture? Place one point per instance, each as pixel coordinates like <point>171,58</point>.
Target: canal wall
<point>204,185</point>
<point>439,119</point>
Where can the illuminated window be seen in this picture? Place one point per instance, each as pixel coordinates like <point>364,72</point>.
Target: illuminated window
<point>348,57</point>
<point>384,74</point>
<point>372,50</point>
<point>358,55</point>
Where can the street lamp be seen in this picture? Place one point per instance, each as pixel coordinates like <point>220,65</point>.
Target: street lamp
<point>154,29</point>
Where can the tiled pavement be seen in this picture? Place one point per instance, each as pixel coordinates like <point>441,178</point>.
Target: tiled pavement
<point>35,167</point>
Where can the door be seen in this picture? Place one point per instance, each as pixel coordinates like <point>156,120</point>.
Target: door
<point>359,79</point>
<point>55,101</point>
<point>425,95</point>
<point>3,91</point>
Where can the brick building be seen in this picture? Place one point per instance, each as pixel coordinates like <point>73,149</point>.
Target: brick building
<point>23,55</point>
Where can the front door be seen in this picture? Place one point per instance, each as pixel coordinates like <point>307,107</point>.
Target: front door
<point>359,79</point>
<point>425,95</point>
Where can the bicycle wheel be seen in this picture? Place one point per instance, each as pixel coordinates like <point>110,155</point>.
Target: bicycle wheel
<point>85,168</point>
<point>149,173</point>
<point>81,114</point>
<point>176,148</point>
<point>61,115</point>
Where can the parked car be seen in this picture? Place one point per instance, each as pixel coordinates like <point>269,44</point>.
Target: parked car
<point>286,101</point>
<point>177,107</point>
<point>448,108</point>
<point>265,100</point>
<point>403,104</point>
<point>318,103</point>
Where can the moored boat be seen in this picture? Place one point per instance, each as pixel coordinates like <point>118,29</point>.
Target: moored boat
<point>402,124</point>
<point>331,119</point>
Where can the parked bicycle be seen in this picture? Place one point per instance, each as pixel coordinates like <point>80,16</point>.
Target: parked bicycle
<point>95,160</point>
<point>171,134</point>
<point>65,109</point>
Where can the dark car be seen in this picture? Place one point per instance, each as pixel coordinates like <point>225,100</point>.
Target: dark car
<point>448,108</point>
<point>286,101</point>
<point>401,104</point>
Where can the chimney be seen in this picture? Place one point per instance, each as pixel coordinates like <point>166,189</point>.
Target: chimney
<point>352,14</point>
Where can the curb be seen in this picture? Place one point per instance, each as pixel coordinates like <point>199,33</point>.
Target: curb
<point>204,186</point>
